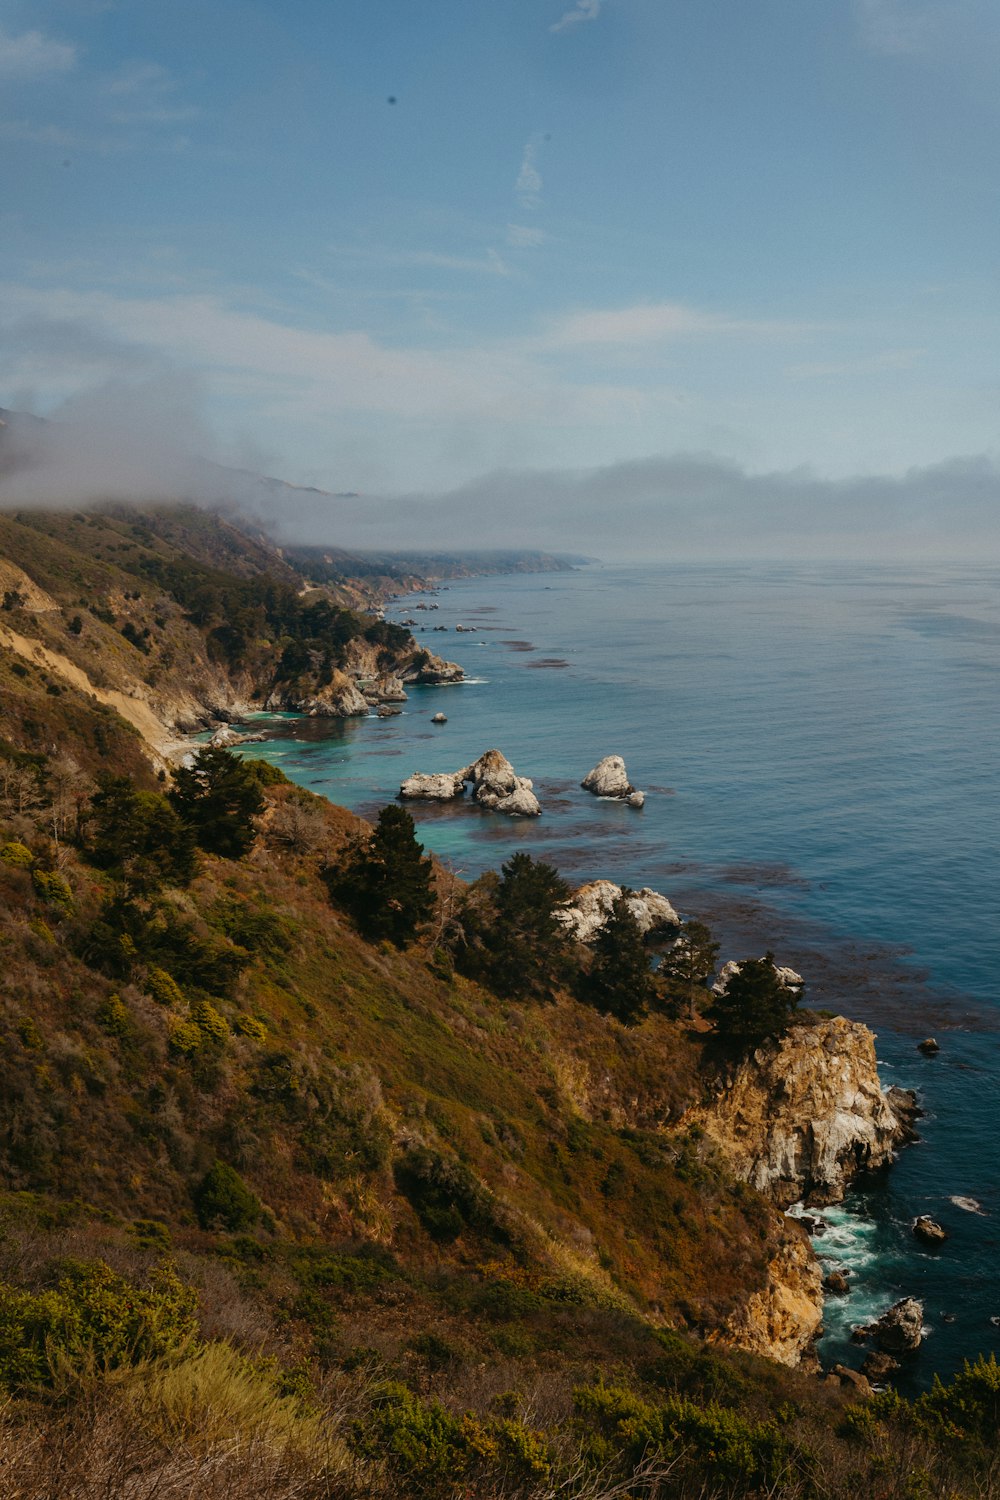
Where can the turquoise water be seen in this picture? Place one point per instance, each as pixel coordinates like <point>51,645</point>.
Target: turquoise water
<point>818,745</point>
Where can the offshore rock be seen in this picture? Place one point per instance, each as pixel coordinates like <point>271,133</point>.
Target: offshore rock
<point>433,669</point>
<point>928,1229</point>
<point>226,737</point>
<point>782,1320</point>
<point>438,787</point>
<point>804,1113</point>
<point>590,907</point>
<point>496,785</point>
<point>877,1365</point>
<point>637,799</point>
<point>609,778</point>
<point>387,711</point>
<point>439,719</point>
<point>928,1046</point>
<point>901,1329</point>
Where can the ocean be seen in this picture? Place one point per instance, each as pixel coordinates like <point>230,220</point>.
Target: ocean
<point>818,745</point>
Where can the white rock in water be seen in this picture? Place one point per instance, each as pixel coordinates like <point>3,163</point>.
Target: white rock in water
<point>637,799</point>
<point>590,908</point>
<point>223,737</point>
<point>439,719</point>
<point>496,785</point>
<point>441,787</point>
<point>608,778</point>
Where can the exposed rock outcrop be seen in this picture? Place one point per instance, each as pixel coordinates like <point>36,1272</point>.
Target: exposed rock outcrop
<point>901,1329</point>
<point>609,778</point>
<point>805,1112</point>
<point>591,905</point>
<point>782,1320</point>
<point>442,786</point>
<point>432,669</point>
<point>226,738</point>
<point>787,977</point>
<point>495,784</point>
<point>929,1230</point>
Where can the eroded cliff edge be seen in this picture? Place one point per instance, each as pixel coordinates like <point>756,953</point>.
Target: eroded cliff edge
<point>805,1112</point>
<point>798,1119</point>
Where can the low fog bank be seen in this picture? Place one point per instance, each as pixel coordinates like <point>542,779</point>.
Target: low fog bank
<point>685,506</point>
<point>151,446</point>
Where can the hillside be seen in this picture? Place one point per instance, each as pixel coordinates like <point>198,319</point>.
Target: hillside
<point>289,1210</point>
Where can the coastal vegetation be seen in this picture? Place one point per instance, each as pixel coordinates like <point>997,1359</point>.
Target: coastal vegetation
<point>325,1175</point>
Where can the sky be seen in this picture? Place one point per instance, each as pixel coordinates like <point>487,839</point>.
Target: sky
<point>709,263</point>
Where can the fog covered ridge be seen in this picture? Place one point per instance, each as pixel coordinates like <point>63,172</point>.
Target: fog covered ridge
<point>150,445</point>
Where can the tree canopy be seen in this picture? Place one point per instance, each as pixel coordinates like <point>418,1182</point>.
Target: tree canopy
<point>384,882</point>
<point>620,982</point>
<point>754,1005</point>
<point>218,797</point>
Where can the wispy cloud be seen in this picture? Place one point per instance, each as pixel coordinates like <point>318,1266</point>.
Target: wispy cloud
<point>144,93</point>
<point>948,30</point>
<point>31,54</point>
<point>524,236</point>
<point>529,179</point>
<point>584,10</point>
<point>655,322</point>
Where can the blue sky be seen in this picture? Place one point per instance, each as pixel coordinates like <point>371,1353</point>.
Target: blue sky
<point>391,246</point>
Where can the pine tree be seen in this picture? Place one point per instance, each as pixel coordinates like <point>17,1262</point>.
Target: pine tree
<point>218,798</point>
<point>384,882</point>
<point>686,967</point>
<point>754,1005</point>
<point>620,982</point>
<point>528,948</point>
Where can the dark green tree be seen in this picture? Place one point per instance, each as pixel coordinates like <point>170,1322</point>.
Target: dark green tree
<point>222,1200</point>
<point>619,981</point>
<point>138,836</point>
<point>384,882</point>
<point>754,1005</point>
<point>686,968</point>
<point>511,938</point>
<point>218,798</point>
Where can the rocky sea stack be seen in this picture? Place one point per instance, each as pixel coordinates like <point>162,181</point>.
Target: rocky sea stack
<point>609,778</point>
<point>495,785</point>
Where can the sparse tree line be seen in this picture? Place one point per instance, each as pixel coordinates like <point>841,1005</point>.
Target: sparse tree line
<point>503,931</point>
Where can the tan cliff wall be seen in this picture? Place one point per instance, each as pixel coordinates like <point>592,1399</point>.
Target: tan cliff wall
<point>805,1112</point>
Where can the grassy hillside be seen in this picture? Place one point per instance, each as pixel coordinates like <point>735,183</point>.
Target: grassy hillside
<point>287,1212</point>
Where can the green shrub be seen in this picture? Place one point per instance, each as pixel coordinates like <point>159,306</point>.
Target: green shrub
<point>185,1037</point>
<point>29,1034</point>
<point>92,1317</point>
<point>17,855</point>
<point>52,888</point>
<point>164,989</point>
<point>213,1026</point>
<point>446,1197</point>
<point>250,1027</point>
<point>222,1200</point>
<point>112,1016</point>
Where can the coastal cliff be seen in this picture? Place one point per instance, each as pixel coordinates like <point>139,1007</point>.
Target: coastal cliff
<point>805,1112</point>
<point>781,1320</point>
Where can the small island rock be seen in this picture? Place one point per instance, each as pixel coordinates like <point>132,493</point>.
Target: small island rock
<point>637,799</point>
<point>876,1364</point>
<point>901,1329</point>
<point>928,1046</point>
<point>837,1284</point>
<point>928,1229</point>
<point>439,719</point>
<point>609,778</point>
<point>441,786</point>
<point>496,785</point>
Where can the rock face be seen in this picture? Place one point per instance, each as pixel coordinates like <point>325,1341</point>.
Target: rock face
<point>805,1112</point>
<point>226,737</point>
<point>388,689</point>
<point>433,669</point>
<point>591,906</point>
<point>901,1329</point>
<point>495,784</point>
<point>782,1320</point>
<point>609,778</point>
